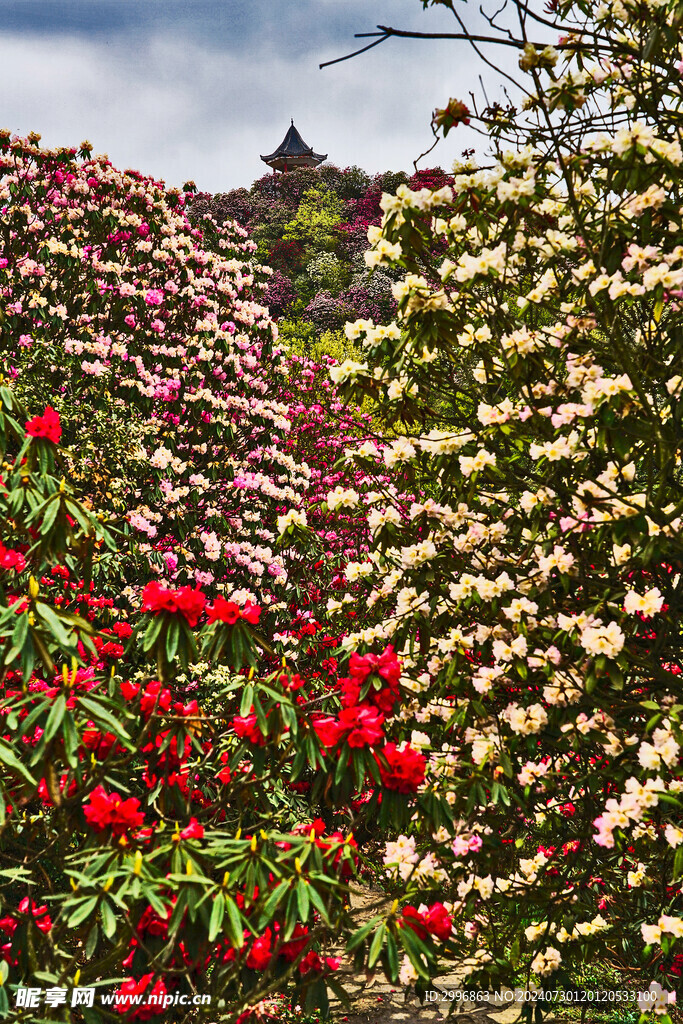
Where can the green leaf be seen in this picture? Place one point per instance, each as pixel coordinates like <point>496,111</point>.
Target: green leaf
<point>217,913</point>
<point>235,929</point>
<point>361,934</point>
<point>100,714</point>
<point>83,911</point>
<point>376,946</point>
<point>91,941</point>
<point>52,621</point>
<point>392,956</point>
<point>54,719</point>
<point>273,901</point>
<point>303,900</point>
<point>247,700</point>
<point>9,758</point>
<point>172,638</point>
<point>108,919</point>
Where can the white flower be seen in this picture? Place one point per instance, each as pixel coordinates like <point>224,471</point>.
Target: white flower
<point>672,925</point>
<point>475,463</point>
<point>342,497</point>
<point>161,458</point>
<point>348,370</point>
<point>400,450</point>
<point>648,603</point>
<point>526,720</point>
<point>291,518</point>
<point>652,934</point>
<point>673,835</point>
<point>622,553</point>
<point>355,570</point>
<point>407,974</point>
<point>547,962</point>
<point>608,640</point>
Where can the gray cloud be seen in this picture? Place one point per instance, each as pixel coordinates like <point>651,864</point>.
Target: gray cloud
<point>157,89</point>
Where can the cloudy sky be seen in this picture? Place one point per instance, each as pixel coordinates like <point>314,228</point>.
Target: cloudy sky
<point>199,88</point>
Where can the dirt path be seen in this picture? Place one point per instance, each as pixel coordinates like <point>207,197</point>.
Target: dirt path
<point>375,1001</point>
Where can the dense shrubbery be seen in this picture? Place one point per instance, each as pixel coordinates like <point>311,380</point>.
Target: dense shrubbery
<point>311,227</point>
<point>260,612</point>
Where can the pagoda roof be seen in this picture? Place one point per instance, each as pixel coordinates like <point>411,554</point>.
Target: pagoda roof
<point>293,147</point>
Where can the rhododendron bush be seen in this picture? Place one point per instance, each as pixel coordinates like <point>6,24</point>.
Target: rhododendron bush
<point>144,836</point>
<point>535,586</point>
<point>157,355</point>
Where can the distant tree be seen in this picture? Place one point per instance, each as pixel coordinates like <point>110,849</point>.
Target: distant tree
<point>327,272</point>
<point>279,294</point>
<point>319,212</point>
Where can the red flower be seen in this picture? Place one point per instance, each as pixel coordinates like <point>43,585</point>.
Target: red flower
<point>130,992</point>
<point>193,831</point>
<point>260,953</point>
<point>130,690</point>
<point>188,601</point>
<point>438,921</point>
<point>10,559</point>
<point>328,730</point>
<point>405,768</point>
<point>248,729</point>
<point>111,811</point>
<point>311,962</point>
<point>154,692</point>
<point>387,666</point>
<point>223,611</point>
<point>251,613</point>
<point>47,426</point>
<point>151,924</point>
<point>290,950</point>
<point>415,920</point>
<point>362,725</point>
<point>39,914</point>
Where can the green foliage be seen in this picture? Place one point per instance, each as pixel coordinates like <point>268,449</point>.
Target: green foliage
<point>327,273</point>
<point>320,210</point>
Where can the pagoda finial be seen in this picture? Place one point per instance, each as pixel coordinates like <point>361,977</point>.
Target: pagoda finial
<point>292,120</point>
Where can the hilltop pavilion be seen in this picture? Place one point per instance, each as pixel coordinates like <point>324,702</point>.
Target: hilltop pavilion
<point>293,152</point>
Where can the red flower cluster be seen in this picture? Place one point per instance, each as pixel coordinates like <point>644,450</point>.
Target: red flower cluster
<point>129,997</point>
<point>261,951</point>
<point>360,726</point>
<point>188,601</point>
<point>109,810</point>
<point>40,916</point>
<point>47,426</point>
<point>10,559</point>
<point>387,667</point>
<point>191,602</point>
<point>434,921</point>
<point>228,611</point>
<point>406,768</point>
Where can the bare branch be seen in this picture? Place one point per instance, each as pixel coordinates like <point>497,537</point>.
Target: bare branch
<point>338,60</point>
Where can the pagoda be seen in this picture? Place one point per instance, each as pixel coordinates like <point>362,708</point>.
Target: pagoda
<point>293,152</point>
